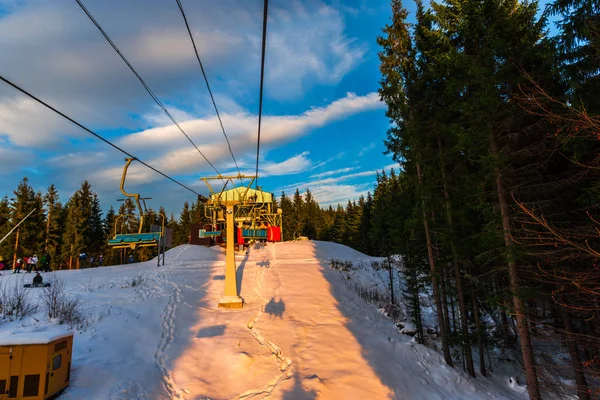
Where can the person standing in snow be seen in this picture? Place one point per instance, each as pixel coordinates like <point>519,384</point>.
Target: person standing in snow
<point>100,260</point>
<point>46,264</point>
<point>27,262</point>
<point>130,258</point>
<point>18,266</point>
<point>34,261</point>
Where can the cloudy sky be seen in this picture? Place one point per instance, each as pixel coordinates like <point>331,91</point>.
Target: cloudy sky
<point>323,123</point>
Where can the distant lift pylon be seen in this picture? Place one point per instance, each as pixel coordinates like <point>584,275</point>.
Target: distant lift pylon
<point>154,238</point>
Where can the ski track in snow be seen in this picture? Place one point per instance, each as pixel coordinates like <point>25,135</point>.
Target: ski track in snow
<point>166,338</point>
<point>285,363</point>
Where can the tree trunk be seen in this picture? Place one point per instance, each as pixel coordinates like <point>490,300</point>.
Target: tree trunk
<point>434,281</point>
<point>452,307</point>
<point>582,386</point>
<point>457,275</point>
<point>444,295</point>
<point>389,259</point>
<point>505,330</point>
<point>16,249</point>
<point>479,334</point>
<point>515,286</point>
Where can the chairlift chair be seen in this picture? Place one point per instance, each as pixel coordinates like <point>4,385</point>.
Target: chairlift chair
<point>139,239</point>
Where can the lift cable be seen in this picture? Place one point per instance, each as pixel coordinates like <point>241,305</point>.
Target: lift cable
<point>25,92</point>
<point>262,79</point>
<point>207,85</point>
<point>150,92</point>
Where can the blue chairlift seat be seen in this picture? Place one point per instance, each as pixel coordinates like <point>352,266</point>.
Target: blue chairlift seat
<point>140,238</point>
<point>254,233</point>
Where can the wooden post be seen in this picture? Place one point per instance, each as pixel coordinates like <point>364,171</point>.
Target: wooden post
<point>16,249</point>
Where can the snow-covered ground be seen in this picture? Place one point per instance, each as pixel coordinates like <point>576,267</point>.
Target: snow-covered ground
<point>303,333</point>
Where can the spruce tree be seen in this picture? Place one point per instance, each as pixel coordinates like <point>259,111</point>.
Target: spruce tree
<point>31,231</point>
<point>54,226</point>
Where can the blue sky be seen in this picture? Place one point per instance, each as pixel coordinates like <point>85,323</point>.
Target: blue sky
<point>323,123</point>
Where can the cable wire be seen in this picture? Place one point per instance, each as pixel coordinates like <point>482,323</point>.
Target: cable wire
<point>25,92</point>
<point>262,79</point>
<point>150,92</point>
<point>180,5</point>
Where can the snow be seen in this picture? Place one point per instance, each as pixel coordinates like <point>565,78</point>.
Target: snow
<point>33,338</point>
<point>303,332</point>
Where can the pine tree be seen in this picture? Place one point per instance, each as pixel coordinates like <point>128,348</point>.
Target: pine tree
<point>287,208</point>
<point>109,255</point>
<point>31,231</point>
<point>5,227</point>
<point>311,215</point>
<point>184,225</point>
<point>54,226</point>
<point>298,215</point>
<point>579,45</point>
<point>364,227</point>
<point>84,231</point>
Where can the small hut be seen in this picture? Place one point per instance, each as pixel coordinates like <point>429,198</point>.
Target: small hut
<point>35,365</point>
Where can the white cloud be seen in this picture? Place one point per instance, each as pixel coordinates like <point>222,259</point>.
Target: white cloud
<point>309,44</point>
<point>53,50</point>
<point>293,165</point>
<point>365,149</point>
<point>12,159</point>
<point>335,172</point>
<point>338,194</point>
<point>178,156</point>
<point>331,191</point>
<point>24,122</point>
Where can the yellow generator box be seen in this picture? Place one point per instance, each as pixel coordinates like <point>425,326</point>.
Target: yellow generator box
<point>36,365</point>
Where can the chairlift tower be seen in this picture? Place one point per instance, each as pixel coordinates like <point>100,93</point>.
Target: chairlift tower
<point>227,202</point>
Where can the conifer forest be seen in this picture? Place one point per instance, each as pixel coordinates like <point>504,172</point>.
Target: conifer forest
<point>494,108</point>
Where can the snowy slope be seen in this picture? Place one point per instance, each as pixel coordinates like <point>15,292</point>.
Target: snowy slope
<point>302,334</point>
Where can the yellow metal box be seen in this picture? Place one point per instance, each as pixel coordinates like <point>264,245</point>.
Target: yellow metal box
<point>36,365</point>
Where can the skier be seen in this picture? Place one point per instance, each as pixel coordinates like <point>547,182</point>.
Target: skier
<point>34,261</point>
<point>82,258</point>
<point>130,258</point>
<point>27,262</point>
<point>37,280</point>
<point>18,266</point>
<point>100,260</point>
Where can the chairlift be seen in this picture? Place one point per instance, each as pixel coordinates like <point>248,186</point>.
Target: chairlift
<point>141,238</point>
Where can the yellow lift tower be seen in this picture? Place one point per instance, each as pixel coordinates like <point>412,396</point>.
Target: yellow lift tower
<point>250,212</point>
<point>224,201</point>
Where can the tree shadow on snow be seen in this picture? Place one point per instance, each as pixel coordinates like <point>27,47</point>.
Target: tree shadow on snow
<point>298,392</point>
<point>211,331</point>
<point>275,308</point>
<point>186,294</point>
<point>264,264</point>
<point>351,307</point>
